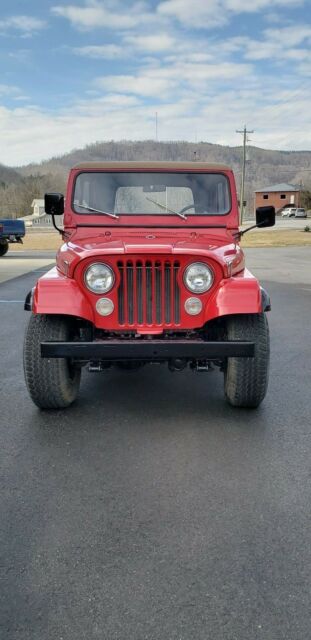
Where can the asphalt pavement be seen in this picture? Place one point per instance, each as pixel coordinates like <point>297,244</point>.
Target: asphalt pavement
<point>151,509</point>
<point>16,263</point>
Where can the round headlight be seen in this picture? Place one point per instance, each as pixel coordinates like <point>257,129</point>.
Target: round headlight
<point>198,277</point>
<point>99,278</point>
<point>193,306</point>
<point>104,306</point>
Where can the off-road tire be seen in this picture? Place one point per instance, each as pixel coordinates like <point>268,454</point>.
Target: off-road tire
<point>52,383</point>
<point>246,379</point>
<point>4,247</point>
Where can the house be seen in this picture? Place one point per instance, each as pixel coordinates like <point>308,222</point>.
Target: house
<point>37,206</point>
<point>39,218</point>
<point>278,195</point>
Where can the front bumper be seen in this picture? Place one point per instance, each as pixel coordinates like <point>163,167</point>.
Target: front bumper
<point>147,350</point>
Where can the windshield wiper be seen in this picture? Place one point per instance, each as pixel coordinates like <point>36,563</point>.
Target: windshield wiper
<point>162,206</point>
<point>106,213</point>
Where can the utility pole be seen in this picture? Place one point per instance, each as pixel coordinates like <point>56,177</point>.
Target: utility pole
<point>245,132</point>
<point>156,125</point>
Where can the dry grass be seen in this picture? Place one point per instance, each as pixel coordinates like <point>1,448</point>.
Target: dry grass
<point>278,238</point>
<point>46,241</point>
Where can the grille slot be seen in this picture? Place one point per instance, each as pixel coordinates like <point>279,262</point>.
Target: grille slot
<point>148,292</point>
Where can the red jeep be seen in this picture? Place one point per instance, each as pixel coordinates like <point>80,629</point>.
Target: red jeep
<point>150,271</point>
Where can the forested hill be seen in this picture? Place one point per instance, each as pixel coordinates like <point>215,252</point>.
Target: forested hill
<point>264,167</point>
<point>8,175</point>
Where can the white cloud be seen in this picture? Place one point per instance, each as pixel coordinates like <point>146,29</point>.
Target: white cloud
<point>276,45</point>
<point>8,90</point>
<point>202,87</point>
<point>221,71</point>
<point>147,85</point>
<point>21,55</point>
<point>290,36</point>
<point>148,44</point>
<point>25,24</point>
<point>111,101</point>
<point>215,13</point>
<point>305,68</point>
<point>175,78</point>
<point>107,51</point>
<point>196,13</point>
<point>255,50</point>
<point>239,6</point>
<point>278,113</point>
<point>21,98</point>
<point>95,15</point>
<point>153,43</point>
<point>65,130</point>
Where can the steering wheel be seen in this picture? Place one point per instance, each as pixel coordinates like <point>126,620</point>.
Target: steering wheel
<point>201,208</point>
<point>189,206</point>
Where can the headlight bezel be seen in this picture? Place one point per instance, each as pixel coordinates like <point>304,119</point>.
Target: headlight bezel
<point>208,268</point>
<point>104,290</point>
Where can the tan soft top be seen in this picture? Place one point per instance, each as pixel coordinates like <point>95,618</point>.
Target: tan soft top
<point>191,166</point>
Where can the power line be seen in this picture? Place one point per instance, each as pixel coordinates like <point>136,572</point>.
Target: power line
<point>286,101</point>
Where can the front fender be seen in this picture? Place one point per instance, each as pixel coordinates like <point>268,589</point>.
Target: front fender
<point>239,294</point>
<point>57,294</point>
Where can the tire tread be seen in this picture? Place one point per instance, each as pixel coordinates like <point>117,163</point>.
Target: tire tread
<point>246,379</point>
<point>49,382</point>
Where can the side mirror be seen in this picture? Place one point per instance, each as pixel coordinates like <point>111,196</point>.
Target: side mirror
<point>265,217</point>
<point>54,206</point>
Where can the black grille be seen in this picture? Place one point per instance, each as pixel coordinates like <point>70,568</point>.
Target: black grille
<point>148,292</point>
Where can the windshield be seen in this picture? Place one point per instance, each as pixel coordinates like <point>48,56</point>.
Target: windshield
<point>138,193</point>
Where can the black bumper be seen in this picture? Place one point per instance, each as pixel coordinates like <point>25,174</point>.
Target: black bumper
<point>149,350</point>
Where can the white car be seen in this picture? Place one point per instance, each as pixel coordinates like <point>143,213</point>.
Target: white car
<point>289,213</point>
<point>300,213</point>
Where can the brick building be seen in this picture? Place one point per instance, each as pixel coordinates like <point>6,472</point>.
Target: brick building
<point>278,195</point>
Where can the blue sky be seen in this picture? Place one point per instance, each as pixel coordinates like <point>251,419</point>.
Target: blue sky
<point>74,73</point>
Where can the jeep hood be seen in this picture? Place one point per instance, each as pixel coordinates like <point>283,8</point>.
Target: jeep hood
<point>217,244</point>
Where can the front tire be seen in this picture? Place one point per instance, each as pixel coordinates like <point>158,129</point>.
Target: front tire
<point>52,383</point>
<point>4,247</point>
<point>246,379</point>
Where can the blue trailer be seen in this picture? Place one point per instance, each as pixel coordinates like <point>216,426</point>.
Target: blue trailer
<point>10,231</point>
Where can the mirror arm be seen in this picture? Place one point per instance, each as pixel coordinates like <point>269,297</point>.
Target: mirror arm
<point>239,234</point>
<point>55,225</point>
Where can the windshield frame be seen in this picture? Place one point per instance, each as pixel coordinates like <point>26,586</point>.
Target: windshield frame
<point>154,216</point>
